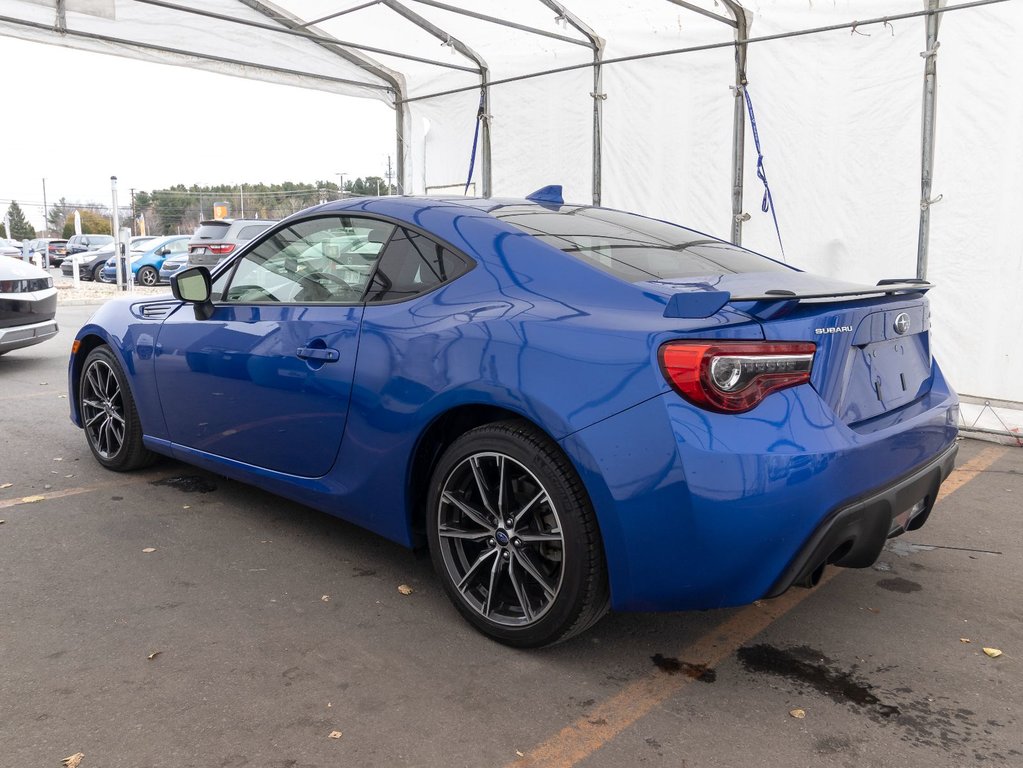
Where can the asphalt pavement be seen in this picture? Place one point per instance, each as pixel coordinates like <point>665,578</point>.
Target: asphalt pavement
<point>174,618</point>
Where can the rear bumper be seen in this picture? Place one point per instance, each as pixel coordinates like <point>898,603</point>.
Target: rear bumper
<point>700,510</point>
<point>854,535</point>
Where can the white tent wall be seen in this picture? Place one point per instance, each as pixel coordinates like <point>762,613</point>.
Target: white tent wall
<point>839,122</point>
<point>544,135</point>
<point>437,159</point>
<point>668,139</point>
<point>976,251</point>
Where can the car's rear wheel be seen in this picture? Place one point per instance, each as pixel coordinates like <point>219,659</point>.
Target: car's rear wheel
<point>514,538</point>
<point>148,276</point>
<point>111,421</point>
<point>96,272</point>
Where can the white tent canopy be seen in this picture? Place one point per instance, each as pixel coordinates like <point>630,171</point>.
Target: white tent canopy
<point>839,114</point>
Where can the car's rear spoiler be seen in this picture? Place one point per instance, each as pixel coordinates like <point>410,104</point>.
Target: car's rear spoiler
<point>703,301</point>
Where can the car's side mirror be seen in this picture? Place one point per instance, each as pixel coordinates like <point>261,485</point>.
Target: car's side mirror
<point>163,252</point>
<point>194,286</point>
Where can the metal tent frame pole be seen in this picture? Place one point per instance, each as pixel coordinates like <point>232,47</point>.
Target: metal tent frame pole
<point>593,41</point>
<point>930,100</point>
<point>596,43</point>
<point>740,22</point>
<point>484,73</point>
<point>395,80</point>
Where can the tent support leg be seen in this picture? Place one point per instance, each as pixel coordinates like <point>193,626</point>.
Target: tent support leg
<point>598,122</point>
<point>930,97</point>
<point>399,130</point>
<point>486,170</point>
<point>739,121</point>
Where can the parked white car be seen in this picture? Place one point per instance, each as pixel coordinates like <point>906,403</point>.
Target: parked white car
<point>28,304</point>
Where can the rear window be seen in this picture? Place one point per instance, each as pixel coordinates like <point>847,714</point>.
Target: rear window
<point>249,232</point>
<point>211,231</point>
<point>632,247</point>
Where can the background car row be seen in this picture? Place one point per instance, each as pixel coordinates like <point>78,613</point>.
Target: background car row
<point>145,265</point>
<point>91,262</point>
<point>153,258</point>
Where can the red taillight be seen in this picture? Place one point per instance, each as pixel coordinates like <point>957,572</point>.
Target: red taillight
<point>734,376</point>
<point>220,249</point>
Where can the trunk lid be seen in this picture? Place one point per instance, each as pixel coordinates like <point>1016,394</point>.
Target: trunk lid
<point>873,342</point>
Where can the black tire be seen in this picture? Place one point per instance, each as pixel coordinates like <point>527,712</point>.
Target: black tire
<point>110,419</point>
<point>513,537</point>
<point>148,276</point>
<point>97,270</point>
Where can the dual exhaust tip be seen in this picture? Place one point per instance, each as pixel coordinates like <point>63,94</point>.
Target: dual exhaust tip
<point>811,579</point>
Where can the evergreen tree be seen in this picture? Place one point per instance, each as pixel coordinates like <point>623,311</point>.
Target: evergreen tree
<point>20,228</point>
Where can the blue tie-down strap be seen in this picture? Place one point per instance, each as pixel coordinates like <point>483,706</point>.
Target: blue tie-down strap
<point>475,141</point>
<point>767,204</point>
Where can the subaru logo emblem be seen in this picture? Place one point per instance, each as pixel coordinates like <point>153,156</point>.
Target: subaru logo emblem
<point>502,537</point>
<point>901,323</point>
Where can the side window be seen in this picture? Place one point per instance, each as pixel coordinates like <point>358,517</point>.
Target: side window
<point>413,264</point>
<point>177,246</point>
<point>328,260</point>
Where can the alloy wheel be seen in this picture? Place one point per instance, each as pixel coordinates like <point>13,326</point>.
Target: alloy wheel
<point>103,409</point>
<point>148,276</point>
<point>501,539</point>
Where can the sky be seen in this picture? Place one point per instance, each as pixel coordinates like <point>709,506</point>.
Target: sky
<point>168,125</point>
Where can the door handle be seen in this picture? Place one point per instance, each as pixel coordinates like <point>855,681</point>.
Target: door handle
<point>326,354</point>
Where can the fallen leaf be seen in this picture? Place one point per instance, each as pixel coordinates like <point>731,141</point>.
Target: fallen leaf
<point>72,761</point>
<point>44,383</point>
<point>58,458</point>
<point>334,735</point>
<point>799,714</point>
<point>6,485</point>
<point>147,550</point>
<point>153,655</point>
<point>325,598</point>
<point>874,610</point>
<point>62,397</point>
<point>68,475</point>
<point>994,653</point>
<point>519,753</point>
<point>30,499</point>
<point>2,522</point>
<point>187,506</point>
<point>405,589</point>
<point>964,640</point>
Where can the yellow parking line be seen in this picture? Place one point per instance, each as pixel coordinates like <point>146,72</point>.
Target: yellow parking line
<point>63,494</point>
<point>601,724</point>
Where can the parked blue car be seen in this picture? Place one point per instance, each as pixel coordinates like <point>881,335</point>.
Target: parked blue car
<point>146,266</point>
<point>573,407</point>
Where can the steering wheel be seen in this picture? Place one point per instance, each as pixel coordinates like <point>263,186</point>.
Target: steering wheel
<point>331,285</point>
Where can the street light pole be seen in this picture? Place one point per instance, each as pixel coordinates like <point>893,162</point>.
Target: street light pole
<point>341,184</point>
<point>46,212</point>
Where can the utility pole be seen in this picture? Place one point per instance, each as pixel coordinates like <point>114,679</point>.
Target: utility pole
<point>241,195</point>
<point>341,185</point>
<point>134,216</point>
<point>389,174</point>
<point>46,212</point>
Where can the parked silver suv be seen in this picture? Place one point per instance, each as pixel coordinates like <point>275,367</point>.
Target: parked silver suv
<point>216,239</point>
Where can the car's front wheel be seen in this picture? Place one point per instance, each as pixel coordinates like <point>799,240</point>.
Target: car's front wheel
<point>514,538</point>
<point>96,273</point>
<point>111,421</point>
<point>148,276</point>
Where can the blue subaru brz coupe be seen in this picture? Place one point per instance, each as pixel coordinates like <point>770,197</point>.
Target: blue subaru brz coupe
<point>575,408</point>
